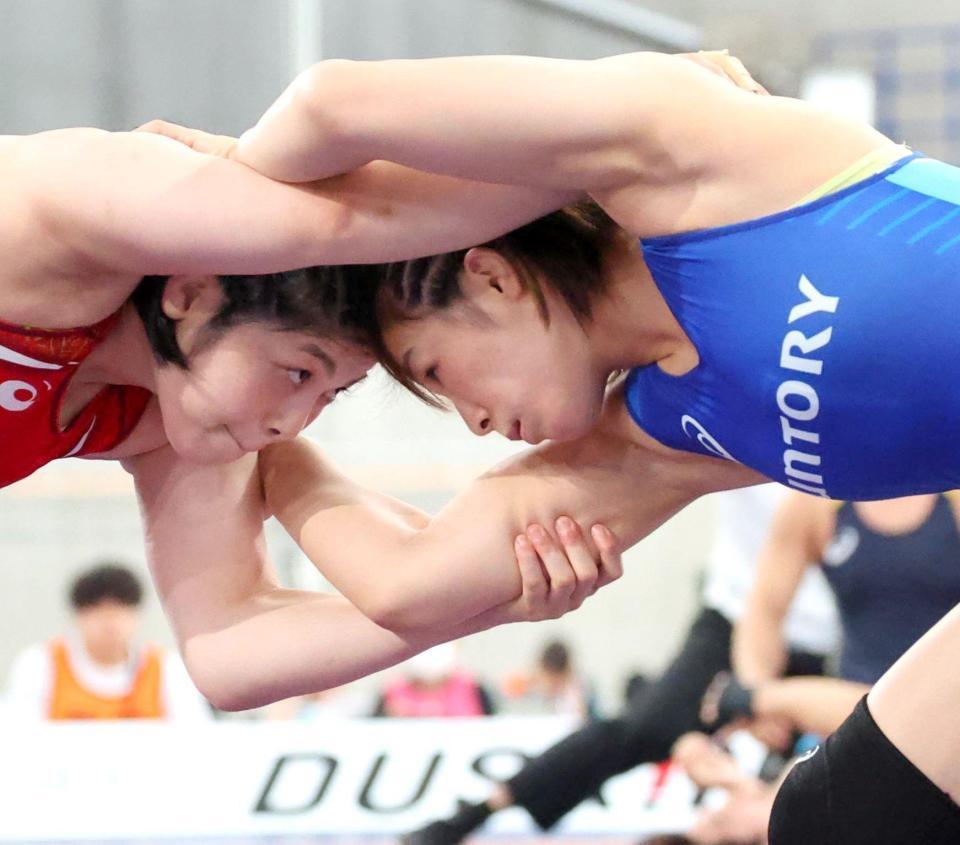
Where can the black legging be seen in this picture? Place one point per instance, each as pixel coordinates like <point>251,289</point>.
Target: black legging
<point>552,784</point>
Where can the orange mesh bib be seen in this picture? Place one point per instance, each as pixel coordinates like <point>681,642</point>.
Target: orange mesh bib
<point>71,700</point>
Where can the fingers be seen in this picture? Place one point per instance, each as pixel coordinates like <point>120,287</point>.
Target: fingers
<point>534,582</point>
<point>582,560</point>
<point>155,126</point>
<point>560,573</point>
<point>557,576</point>
<point>195,139</point>
<point>167,129</point>
<point>611,561</point>
<point>710,703</point>
<point>721,63</point>
<point>741,76</point>
<point>772,732</point>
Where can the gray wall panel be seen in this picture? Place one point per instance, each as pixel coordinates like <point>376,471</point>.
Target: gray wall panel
<point>375,29</point>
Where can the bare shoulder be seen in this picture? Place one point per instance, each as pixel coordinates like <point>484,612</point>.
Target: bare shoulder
<point>26,160</point>
<point>39,265</point>
<point>765,154</point>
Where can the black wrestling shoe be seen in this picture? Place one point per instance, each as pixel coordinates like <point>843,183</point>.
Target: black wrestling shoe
<point>450,831</point>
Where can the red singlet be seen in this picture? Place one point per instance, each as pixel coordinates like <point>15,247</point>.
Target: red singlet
<point>36,366</point>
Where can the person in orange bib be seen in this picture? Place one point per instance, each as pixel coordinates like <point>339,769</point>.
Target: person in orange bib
<point>98,669</point>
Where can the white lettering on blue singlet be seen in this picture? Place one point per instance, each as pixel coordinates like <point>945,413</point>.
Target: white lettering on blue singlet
<point>799,401</point>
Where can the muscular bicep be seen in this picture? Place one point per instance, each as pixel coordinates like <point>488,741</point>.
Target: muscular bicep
<point>143,204</point>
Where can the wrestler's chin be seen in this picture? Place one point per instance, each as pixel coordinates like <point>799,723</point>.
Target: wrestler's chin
<point>207,448</point>
<point>564,428</point>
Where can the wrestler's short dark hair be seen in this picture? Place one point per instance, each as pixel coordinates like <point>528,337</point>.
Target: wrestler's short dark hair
<point>563,251</point>
<point>107,580</point>
<point>311,299</point>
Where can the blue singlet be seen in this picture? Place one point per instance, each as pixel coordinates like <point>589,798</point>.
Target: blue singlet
<point>828,336</point>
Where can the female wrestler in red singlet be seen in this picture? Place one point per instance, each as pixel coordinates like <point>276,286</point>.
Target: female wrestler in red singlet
<point>121,338</point>
<point>35,371</point>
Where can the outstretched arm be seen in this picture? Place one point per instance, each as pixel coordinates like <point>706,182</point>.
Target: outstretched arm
<point>117,206</point>
<point>550,123</point>
<point>798,534</point>
<point>248,641</point>
<point>458,565</point>
<point>809,704</point>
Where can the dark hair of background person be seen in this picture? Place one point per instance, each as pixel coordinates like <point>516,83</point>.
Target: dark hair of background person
<point>563,251</point>
<point>555,657</point>
<point>106,581</point>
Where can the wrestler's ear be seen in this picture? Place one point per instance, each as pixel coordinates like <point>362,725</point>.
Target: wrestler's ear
<point>489,276</point>
<point>199,296</point>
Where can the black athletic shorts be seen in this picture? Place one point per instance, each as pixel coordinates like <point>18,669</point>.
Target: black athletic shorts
<point>859,789</point>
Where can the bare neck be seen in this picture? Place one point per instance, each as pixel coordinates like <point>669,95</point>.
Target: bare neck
<point>631,324</point>
<point>123,357</point>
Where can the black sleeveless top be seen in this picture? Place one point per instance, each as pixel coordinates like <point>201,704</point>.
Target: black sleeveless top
<point>890,588</point>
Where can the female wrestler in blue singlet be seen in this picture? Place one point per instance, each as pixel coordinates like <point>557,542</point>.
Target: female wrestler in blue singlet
<point>779,281</point>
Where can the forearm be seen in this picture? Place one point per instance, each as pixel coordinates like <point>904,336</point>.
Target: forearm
<point>246,640</point>
<point>812,705</point>
<point>298,138</point>
<point>138,204</point>
<point>404,578</point>
<point>759,649</point>
<point>759,653</point>
<point>402,573</point>
<point>509,119</point>
<point>463,562</point>
<point>281,643</point>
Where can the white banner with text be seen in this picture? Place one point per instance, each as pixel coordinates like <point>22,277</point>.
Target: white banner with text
<point>103,781</point>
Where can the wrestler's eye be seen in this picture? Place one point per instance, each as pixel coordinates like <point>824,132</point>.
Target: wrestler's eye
<point>340,391</point>
<point>298,376</point>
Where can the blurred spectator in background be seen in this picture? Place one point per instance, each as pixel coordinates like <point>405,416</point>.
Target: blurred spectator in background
<point>433,684</point>
<point>98,669</point>
<point>554,686</point>
<point>893,566</point>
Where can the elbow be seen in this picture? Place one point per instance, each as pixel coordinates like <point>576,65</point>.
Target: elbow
<point>402,612</point>
<point>221,683</point>
<point>391,613</point>
<point>323,92</point>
